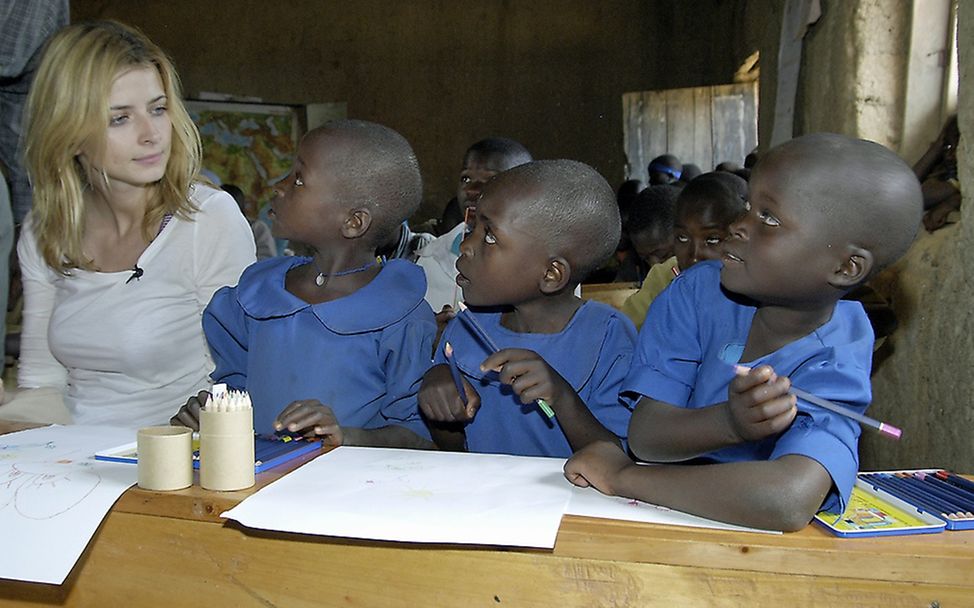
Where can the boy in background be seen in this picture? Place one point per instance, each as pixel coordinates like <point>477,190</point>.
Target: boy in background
<point>438,259</point>
<point>722,346</point>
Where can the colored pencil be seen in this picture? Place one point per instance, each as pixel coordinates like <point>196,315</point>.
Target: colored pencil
<point>887,429</point>
<point>897,486</point>
<point>468,319</point>
<point>942,495</point>
<point>956,480</point>
<point>915,499</point>
<point>960,496</point>
<point>455,372</point>
<point>910,495</point>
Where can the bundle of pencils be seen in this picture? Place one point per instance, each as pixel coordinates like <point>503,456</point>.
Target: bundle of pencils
<point>940,493</point>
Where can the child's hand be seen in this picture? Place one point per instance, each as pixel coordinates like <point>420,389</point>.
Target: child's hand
<point>313,419</point>
<point>599,465</point>
<point>445,315</point>
<point>759,403</point>
<point>529,375</point>
<point>189,414</point>
<point>439,400</point>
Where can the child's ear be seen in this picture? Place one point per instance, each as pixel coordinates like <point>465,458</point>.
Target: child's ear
<point>556,276</point>
<point>356,223</point>
<point>854,269</point>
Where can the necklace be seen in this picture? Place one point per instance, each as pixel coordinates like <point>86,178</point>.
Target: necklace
<point>322,277</point>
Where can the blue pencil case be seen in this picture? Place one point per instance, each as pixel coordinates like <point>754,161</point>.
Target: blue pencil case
<point>935,492</point>
<point>874,512</point>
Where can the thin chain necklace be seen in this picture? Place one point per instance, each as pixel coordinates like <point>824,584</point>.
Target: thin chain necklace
<point>322,277</point>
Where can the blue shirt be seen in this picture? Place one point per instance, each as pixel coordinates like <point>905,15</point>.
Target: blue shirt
<point>694,335</point>
<point>363,355</point>
<point>592,353</point>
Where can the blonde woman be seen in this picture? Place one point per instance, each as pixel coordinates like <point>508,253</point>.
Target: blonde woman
<point>123,247</point>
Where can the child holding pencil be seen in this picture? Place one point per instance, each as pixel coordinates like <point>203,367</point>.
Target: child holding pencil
<point>540,228</point>
<point>335,345</point>
<point>825,213</point>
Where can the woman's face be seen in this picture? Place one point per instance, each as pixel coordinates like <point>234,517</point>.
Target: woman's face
<point>138,136</point>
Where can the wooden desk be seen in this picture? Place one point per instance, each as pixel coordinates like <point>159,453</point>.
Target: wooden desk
<point>172,549</point>
<point>613,294</point>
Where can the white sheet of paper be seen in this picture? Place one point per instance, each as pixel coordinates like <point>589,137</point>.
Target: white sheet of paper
<point>53,496</point>
<point>590,502</point>
<point>416,496</point>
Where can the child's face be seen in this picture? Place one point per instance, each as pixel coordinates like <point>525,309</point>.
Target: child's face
<point>306,201</point>
<point>653,245</point>
<point>477,169</point>
<point>783,250</point>
<point>698,235</point>
<point>502,259</point>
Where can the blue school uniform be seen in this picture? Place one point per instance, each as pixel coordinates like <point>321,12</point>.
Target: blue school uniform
<point>592,353</point>
<point>363,355</point>
<point>693,336</point>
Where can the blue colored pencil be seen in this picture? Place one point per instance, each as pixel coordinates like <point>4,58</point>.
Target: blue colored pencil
<point>943,495</point>
<point>956,480</point>
<point>906,485</point>
<point>883,427</point>
<point>895,486</point>
<point>961,496</point>
<point>468,319</point>
<point>909,496</point>
<point>455,372</point>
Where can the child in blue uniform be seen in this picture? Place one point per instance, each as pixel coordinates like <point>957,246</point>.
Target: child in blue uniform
<point>825,213</point>
<point>540,229</point>
<point>704,210</point>
<point>334,345</point>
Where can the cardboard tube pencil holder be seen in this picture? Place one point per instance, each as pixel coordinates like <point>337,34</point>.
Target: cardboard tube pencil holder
<point>165,457</point>
<point>227,449</point>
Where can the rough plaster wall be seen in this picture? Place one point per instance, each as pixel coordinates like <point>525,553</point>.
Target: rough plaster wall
<point>861,47</point>
<point>550,73</point>
<point>927,385</point>
<point>762,30</point>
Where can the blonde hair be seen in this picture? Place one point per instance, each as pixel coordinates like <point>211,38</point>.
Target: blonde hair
<point>68,109</point>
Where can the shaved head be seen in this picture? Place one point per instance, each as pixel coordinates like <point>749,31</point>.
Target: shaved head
<point>869,195</point>
<point>376,169</point>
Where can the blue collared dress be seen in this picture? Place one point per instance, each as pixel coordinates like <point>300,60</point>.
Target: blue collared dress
<point>363,355</point>
<point>592,353</point>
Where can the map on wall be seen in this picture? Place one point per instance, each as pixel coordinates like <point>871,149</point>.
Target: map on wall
<point>250,145</point>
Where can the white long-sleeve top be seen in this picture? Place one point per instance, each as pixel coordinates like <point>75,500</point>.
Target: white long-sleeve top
<point>126,351</point>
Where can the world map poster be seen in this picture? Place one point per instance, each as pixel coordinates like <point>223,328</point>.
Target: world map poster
<point>250,145</point>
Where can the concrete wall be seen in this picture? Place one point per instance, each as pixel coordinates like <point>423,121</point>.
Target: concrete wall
<point>925,385</point>
<point>549,73</point>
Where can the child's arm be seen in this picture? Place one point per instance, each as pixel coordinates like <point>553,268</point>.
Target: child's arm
<point>758,406</point>
<point>315,420</point>
<point>532,378</point>
<point>228,336</point>
<point>782,494</point>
